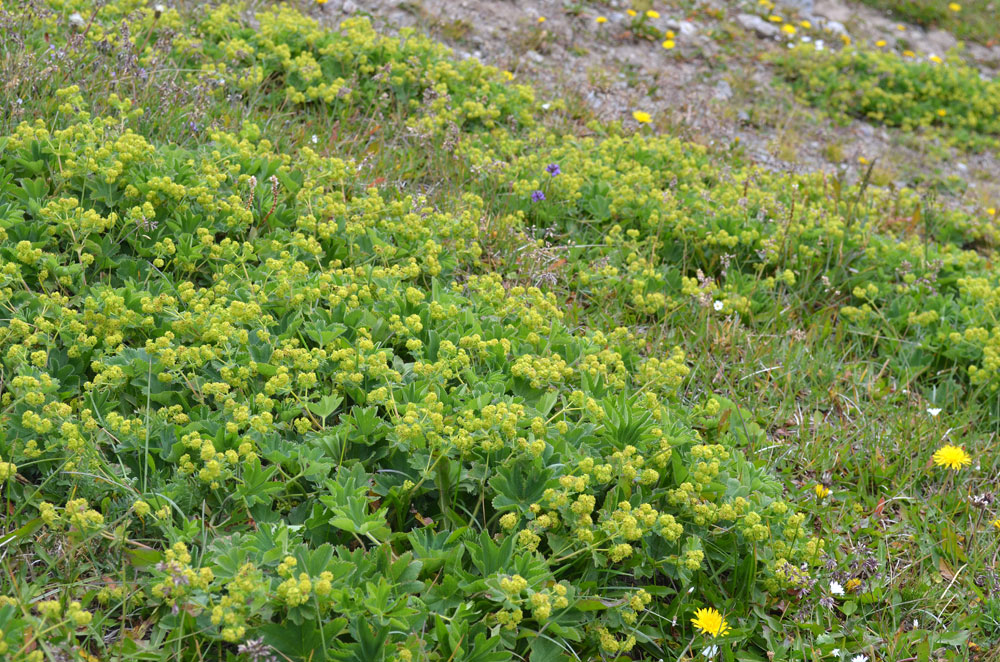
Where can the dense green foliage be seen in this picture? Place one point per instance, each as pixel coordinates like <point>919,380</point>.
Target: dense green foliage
<point>347,350</point>
<point>899,90</point>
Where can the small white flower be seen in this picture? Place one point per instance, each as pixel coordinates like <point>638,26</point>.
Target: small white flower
<point>718,305</point>
<point>711,652</point>
<point>916,624</point>
<point>859,658</point>
<point>819,44</point>
<point>314,139</point>
<point>159,9</point>
<point>934,411</point>
<point>836,588</point>
<point>835,652</point>
<point>545,106</point>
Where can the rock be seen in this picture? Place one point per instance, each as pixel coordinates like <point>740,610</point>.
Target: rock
<point>756,24</point>
<point>723,91</point>
<point>804,7</point>
<point>349,7</point>
<point>687,28</point>
<point>836,27</point>
<point>535,56</point>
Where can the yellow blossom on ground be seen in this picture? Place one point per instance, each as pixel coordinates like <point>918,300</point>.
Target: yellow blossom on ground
<point>909,53</point>
<point>788,28</point>
<point>652,13</point>
<point>541,19</point>
<point>601,19</point>
<point>822,491</point>
<point>668,44</point>
<point>642,117</point>
<point>710,621</point>
<point>805,24</point>
<point>942,112</point>
<point>953,457</point>
<point>880,43</point>
<point>954,6</point>
<point>991,211</point>
<point>996,523</point>
<point>900,27</point>
<point>852,585</point>
<point>774,18</point>
<point>630,12</point>
<point>935,58</point>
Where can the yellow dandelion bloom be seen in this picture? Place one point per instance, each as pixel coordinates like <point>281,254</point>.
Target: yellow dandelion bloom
<point>942,112</point>
<point>991,211</point>
<point>642,117</point>
<point>601,19</point>
<point>852,585</point>
<point>880,43</point>
<point>630,12</point>
<point>805,24</point>
<point>541,19</point>
<point>996,523</point>
<point>507,75</point>
<point>321,2</point>
<point>668,44</point>
<point>652,13</point>
<point>670,34</point>
<point>788,28</point>
<point>822,491</point>
<point>901,27</point>
<point>954,6</point>
<point>847,40</point>
<point>936,58</point>
<point>909,53</point>
<point>862,160</point>
<point>710,621</point>
<point>774,18</point>
<point>953,457</point>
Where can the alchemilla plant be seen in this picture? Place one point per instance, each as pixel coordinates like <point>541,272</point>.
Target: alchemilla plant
<point>268,390</point>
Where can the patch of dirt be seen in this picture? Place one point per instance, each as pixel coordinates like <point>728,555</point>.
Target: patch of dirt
<point>713,87</point>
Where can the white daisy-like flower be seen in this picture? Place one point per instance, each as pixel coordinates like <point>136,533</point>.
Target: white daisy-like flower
<point>836,588</point>
<point>711,651</point>
<point>859,658</point>
<point>835,652</point>
<point>718,305</point>
<point>934,411</point>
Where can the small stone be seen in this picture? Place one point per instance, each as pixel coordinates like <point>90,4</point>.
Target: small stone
<point>723,91</point>
<point>756,24</point>
<point>535,56</point>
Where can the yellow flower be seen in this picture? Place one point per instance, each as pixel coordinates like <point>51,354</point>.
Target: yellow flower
<point>996,523</point>
<point>901,27</point>
<point>710,621</point>
<point>954,6</point>
<point>788,28</point>
<point>805,24</point>
<point>321,2</point>
<point>670,34</point>
<point>601,19</point>
<point>541,19</point>
<point>852,585</point>
<point>642,117</point>
<point>953,457</point>
<point>847,40</point>
<point>935,58</point>
<point>909,53</point>
<point>942,112</point>
<point>862,160</point>
<point>822,491</point>
<point>991,211</point>
<point>880,43</point>
<point>630,12</point>
<point>507,75</point>
<point>668,44</point>
<point>652,13</point>
<point>775,19</point>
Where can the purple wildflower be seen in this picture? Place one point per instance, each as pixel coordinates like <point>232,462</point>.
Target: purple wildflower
<point>537,196</point>
<point>553,169</point>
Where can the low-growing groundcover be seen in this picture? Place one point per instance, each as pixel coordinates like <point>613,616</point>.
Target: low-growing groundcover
<point>264,398</point>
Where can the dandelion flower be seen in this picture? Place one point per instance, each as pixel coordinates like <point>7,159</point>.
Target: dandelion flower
<point>942,112</point>
<point>541,19</point>
<point>774,18</point>
<point>630,12</point>
<point>601,19</point>
<point>862,160</point>
<point>836,588</point>
<point>954,6</point>
<point>822,491</point>
<point>852,585</point>
<point>901,27</point>
<point>936,59</point>
<point>909,53</point>
<point>668,44</point>
<point>710,621</point>
<point>953,457</point>
<point>991,211</point>
<point>805,24</point>
<point>788,28</point>
<point>880,43</point>
<point>652,13</point>
<point>642,117</point>
<point>996,523</point>
<point>507,75</point>
<point>321,2</point>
